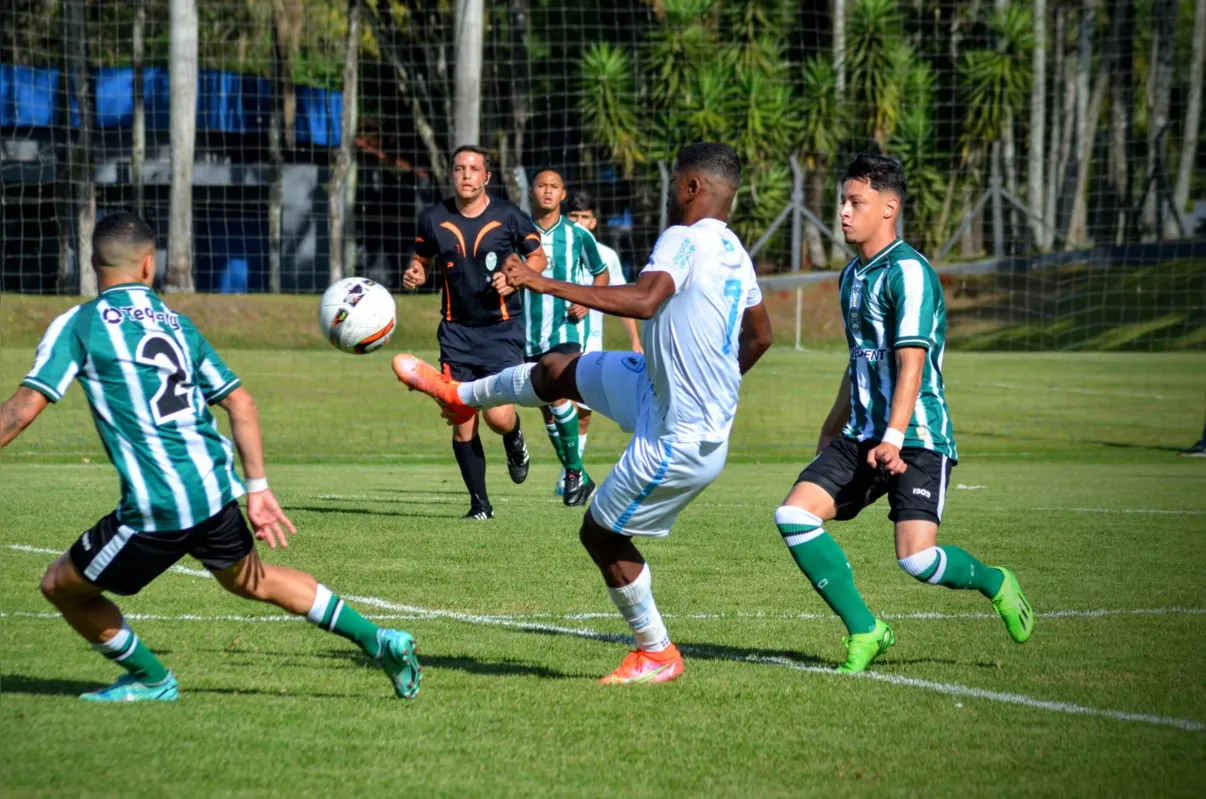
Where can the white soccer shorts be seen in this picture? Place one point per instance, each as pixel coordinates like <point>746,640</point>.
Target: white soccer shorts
<point>656,477</point>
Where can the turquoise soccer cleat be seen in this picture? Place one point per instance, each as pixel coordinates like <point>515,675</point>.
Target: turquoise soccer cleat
<point>127,688</point>
<point>400,664</point>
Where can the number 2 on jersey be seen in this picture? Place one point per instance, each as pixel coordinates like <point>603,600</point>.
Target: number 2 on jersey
<point>174,396</point>
<point>732,291</point>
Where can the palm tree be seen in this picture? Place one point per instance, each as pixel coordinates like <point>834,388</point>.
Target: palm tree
<point>879,59</point>
<point>1193,110</point>
<point>912,143</point>
<point>823,126</point>
<point>608,105</point>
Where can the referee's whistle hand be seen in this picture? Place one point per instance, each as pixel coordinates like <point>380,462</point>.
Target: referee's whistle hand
<point>501,285</point>
<point>414,276</point>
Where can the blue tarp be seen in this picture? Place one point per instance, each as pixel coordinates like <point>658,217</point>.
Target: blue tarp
<point>227,102</point>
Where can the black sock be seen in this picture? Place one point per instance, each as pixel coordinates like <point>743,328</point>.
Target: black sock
<point>472,459</point>
<point>511,440</point>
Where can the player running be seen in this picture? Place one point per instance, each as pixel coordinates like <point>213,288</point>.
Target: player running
<point>466,238</point>
<point>584,210</point>
<point>889,431</point>
<point>707,327</point>
<point>148,375</point>
<point>555,325</point>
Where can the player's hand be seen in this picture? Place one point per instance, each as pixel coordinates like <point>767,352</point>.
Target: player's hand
<point>577,312</point>
<point>267,519</point>
<point>503,288</point>
<point>888,456</point>
<point>517,273</point>
<point>414,276</point>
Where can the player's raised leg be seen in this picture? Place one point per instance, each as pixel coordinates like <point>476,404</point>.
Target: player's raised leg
<point>801,520</point>
<point>99,621</point>
<point>529,385</point>
<point>629,584</point>
<point>299,593</point>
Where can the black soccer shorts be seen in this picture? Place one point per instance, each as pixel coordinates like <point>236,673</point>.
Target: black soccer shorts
<point>118,559</point>
<point>917,495</point>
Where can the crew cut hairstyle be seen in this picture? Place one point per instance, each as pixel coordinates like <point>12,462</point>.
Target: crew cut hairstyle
<point>880,172</point>
<point>713,158</point>
<point>118,235</point>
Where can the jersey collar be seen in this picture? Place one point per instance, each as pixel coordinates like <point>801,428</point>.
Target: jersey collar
<point>862,268</point>
<point>561,221</point>
<point>126,287</point>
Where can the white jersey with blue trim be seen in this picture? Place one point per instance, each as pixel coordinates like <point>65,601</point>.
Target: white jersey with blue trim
<point>691,343</point>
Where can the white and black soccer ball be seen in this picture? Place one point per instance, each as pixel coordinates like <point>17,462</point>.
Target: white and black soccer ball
<point>357,315</point>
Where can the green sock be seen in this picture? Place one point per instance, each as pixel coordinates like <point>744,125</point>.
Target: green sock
<point>955,568</point>
<point>555,440</point>
<point>565,416</point>
<point>825,565</point>
<point>334,615</point>
<point>128,651</point>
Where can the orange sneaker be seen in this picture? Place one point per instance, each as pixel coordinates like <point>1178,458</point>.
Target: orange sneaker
<point>418,375</point>
<point>642,666</point>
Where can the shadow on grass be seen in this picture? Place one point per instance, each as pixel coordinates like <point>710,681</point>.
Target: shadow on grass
<point>24,684</point>
<point>367,512</point>
<point>506,667</point>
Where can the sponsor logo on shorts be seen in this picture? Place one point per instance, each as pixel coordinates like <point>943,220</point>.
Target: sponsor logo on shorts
<point>921,492</point>
<point>632,363</point>
<point>144,316</point>
<point>85,543</point>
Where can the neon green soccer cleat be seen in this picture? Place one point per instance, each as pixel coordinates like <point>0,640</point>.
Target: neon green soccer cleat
<point>1013,608</point>
<point>863,648</point>
<point>129,689</point>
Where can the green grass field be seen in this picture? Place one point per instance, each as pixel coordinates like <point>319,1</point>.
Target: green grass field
<point>1069,475</point>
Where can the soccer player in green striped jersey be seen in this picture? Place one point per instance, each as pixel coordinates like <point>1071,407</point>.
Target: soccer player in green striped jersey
<point>555,325</point>
<point>149,377</point>
<point>890,430</point>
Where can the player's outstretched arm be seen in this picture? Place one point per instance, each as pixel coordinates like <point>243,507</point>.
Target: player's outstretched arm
<point>263,510</point>
<point>19,412</point>
<point>838,414</point>
<point>756,336</point>
<point>910,361</point>
<point>577,312</point>
<point>639,300</point>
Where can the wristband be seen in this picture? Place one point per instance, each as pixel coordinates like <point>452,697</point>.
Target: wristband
<point>256,485</point>
<point>894,437</point>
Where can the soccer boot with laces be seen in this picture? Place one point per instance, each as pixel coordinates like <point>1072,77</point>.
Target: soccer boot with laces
<point>399,663</point>
<point>647,667</point>
<point>128,688</point>
<point>1013,608</point>
<point>418,375</point>
<point>578,487</point>
<point>518,461</point>
<point>863,648</point>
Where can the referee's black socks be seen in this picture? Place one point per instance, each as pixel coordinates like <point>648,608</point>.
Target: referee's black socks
<point>472,459</point>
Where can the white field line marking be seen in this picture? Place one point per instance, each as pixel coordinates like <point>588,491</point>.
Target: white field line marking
<point>1119,510</point>
<point>44,551</point>
<point>25,614</point>
<point>950,689</point>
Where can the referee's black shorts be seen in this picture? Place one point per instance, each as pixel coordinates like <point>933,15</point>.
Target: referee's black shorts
<point>471,353</point>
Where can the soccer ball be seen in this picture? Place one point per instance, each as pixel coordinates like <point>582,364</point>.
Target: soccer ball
<point>357,315</point>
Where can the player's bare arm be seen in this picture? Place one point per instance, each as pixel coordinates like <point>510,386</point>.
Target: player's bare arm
<point>263,510</point>
<point>838,414</point>
<point>639,300</point>
<point>19,412</point>
<point>579,312</point>
<point>910,361</point>
<point>416,273</point>
<point>756,336</point>
<point>536,260</point>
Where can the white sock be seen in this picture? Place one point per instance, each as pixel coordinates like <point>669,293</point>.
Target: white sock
<point>581,444</point>
<point>636,605</point>
<point>119,646</point>
<point>511,386</point>
<point>322,601</point>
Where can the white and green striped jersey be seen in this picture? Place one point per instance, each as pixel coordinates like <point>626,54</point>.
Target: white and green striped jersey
<point>572,255</point>
<point>615,277</point>
<point>148,375</point>
<point>895,300</point>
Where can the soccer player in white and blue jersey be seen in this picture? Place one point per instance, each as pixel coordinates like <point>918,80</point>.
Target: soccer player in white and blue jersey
<point>149,377</point>
<point>706,327</point>
<point>890,430</point>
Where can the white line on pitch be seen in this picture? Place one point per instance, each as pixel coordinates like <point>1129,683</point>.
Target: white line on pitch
<point>44,551</point>
<point>950,689</point>
<point>1037,389</point>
